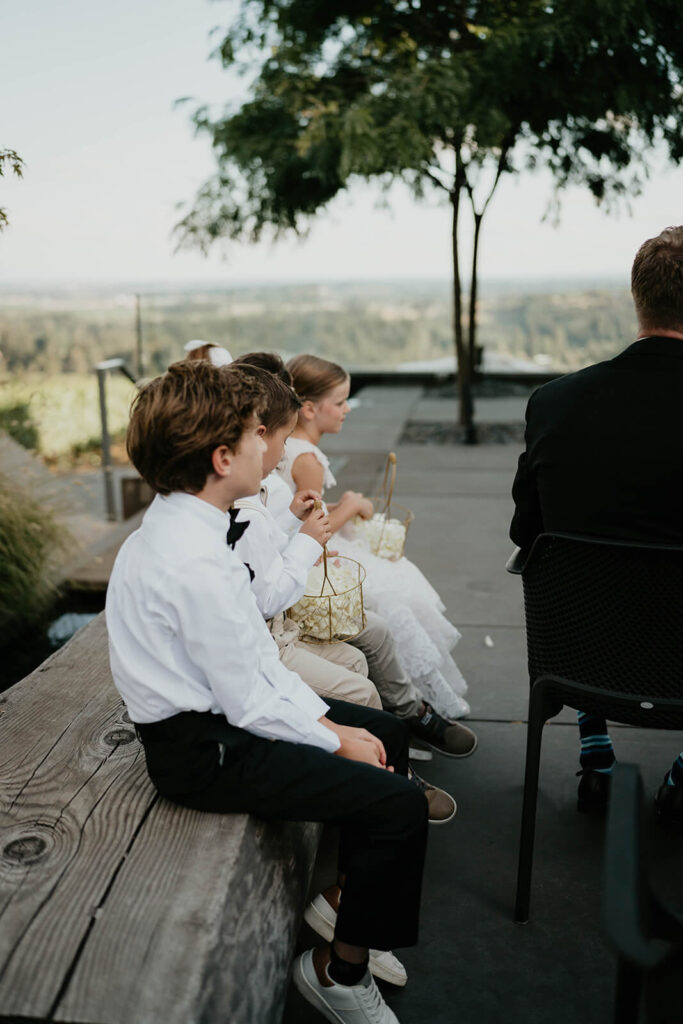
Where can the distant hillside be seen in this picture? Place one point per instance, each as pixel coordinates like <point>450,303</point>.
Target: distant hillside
<point>368,324</point>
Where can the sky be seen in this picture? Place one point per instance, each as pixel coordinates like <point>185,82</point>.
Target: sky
<point>88,93</point>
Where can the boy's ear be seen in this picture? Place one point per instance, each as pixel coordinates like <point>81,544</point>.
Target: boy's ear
<point>308,409</point>
<point>221,461</point>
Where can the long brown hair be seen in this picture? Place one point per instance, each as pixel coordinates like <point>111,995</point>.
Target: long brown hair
<point>313,377</point>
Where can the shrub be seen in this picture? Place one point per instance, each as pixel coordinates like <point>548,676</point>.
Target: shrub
<point>29,540</point>
<point>17,422</point>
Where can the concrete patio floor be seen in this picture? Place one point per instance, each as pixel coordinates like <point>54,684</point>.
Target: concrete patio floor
<point>473,964</point>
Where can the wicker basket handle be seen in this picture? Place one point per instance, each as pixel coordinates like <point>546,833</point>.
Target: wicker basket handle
<point>317,505</point>
<point>390,479</point>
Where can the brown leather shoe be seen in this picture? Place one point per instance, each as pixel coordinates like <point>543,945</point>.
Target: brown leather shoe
<point>442,806</point>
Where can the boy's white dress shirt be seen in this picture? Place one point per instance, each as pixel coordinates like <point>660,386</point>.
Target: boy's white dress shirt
<point>185,632</point>
<point>278,501</point>
<point>280,563</point>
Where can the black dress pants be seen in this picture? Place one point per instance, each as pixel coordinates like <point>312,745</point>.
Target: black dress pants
<point>201,761</point>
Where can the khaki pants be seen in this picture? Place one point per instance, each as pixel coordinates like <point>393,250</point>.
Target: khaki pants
<point>336,671</point>
<point>399,695</point>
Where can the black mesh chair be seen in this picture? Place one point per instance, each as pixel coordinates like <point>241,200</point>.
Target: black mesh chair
<point>604,624</point>
<point>647,936</point>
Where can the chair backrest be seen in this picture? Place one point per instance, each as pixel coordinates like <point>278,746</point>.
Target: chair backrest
<point>609,617</point>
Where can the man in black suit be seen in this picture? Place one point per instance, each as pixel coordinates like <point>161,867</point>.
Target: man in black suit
<point>604,457</point>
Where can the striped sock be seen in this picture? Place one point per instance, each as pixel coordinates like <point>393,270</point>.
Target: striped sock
<point>597,752</point>
<point>676,773</point>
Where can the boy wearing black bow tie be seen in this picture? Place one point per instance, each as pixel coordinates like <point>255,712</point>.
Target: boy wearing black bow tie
<point>225,726</point>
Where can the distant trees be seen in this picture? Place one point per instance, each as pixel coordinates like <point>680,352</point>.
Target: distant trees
<point>406,321</point>
<point>443,96</point>
<point>11,159</point>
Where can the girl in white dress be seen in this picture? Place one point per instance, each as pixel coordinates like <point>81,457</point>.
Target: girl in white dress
<point>397,590</point>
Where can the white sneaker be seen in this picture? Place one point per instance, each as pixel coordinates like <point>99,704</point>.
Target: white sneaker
<point>341,1004</point>
<point>322,918</point>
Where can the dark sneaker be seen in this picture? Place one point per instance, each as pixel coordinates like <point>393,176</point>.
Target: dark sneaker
<point>450,738</point>
<point>593,791</point>
<point>669,807</point>
<point>442,806</point>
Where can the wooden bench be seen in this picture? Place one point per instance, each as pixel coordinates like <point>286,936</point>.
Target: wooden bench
<point>117,907</point>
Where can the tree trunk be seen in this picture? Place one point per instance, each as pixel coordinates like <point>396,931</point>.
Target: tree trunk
<point>478,217</point>
<point>464,366</point>
<point>472,326</point>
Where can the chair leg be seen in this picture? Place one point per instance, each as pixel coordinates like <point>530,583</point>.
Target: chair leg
<point>537,719</point>
<point>627,992</point>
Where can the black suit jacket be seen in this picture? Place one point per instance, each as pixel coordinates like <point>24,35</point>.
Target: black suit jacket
<point>604,450</point>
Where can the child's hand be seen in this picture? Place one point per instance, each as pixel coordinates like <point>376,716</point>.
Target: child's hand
<point>330,554</point>
<point>365,507</point>
<point>361,505</point>
<point>358,744</point>
<point>302,503</point>
<point>317,526</point>
<point>360,750</point>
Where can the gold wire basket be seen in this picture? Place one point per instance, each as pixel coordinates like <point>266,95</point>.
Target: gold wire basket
<point>385,533</point>
<point>331,610</point>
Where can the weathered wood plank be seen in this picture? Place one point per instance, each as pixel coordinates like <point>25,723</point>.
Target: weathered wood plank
<point>73,791</point>
<point>199,925</point>
<point>117,907</point>
<point>39,709</point>
<point>91,569</point>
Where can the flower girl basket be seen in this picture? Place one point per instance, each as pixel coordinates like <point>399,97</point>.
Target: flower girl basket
<point>385,533</point>
<point>331,610</point>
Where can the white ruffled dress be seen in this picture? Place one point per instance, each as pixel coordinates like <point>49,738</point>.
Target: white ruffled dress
<point>400,593</point>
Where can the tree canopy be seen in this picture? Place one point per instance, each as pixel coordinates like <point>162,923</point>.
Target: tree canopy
<point>16,164</point>
<point>444,96</point>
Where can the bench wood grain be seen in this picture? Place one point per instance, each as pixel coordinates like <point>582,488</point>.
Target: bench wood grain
<point>117,907</point>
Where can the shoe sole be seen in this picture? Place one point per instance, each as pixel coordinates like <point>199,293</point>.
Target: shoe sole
<point>443,821</point>
<point>304,987</point>
<point>322,927</point>
<point>447,753</point>
<point>418,754</point>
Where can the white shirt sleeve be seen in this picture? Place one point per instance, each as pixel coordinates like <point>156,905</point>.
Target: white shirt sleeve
<point>280,565</point>
<point>226,638</point>
<point>289,522</point>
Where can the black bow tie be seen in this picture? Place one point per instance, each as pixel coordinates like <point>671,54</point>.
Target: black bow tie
<point>236,529</point>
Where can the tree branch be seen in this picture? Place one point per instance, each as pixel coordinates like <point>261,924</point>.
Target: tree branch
<point>433,177</point>
<point>500,166</point>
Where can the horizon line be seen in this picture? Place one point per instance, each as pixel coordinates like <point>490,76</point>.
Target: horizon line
<point>212,283</point>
